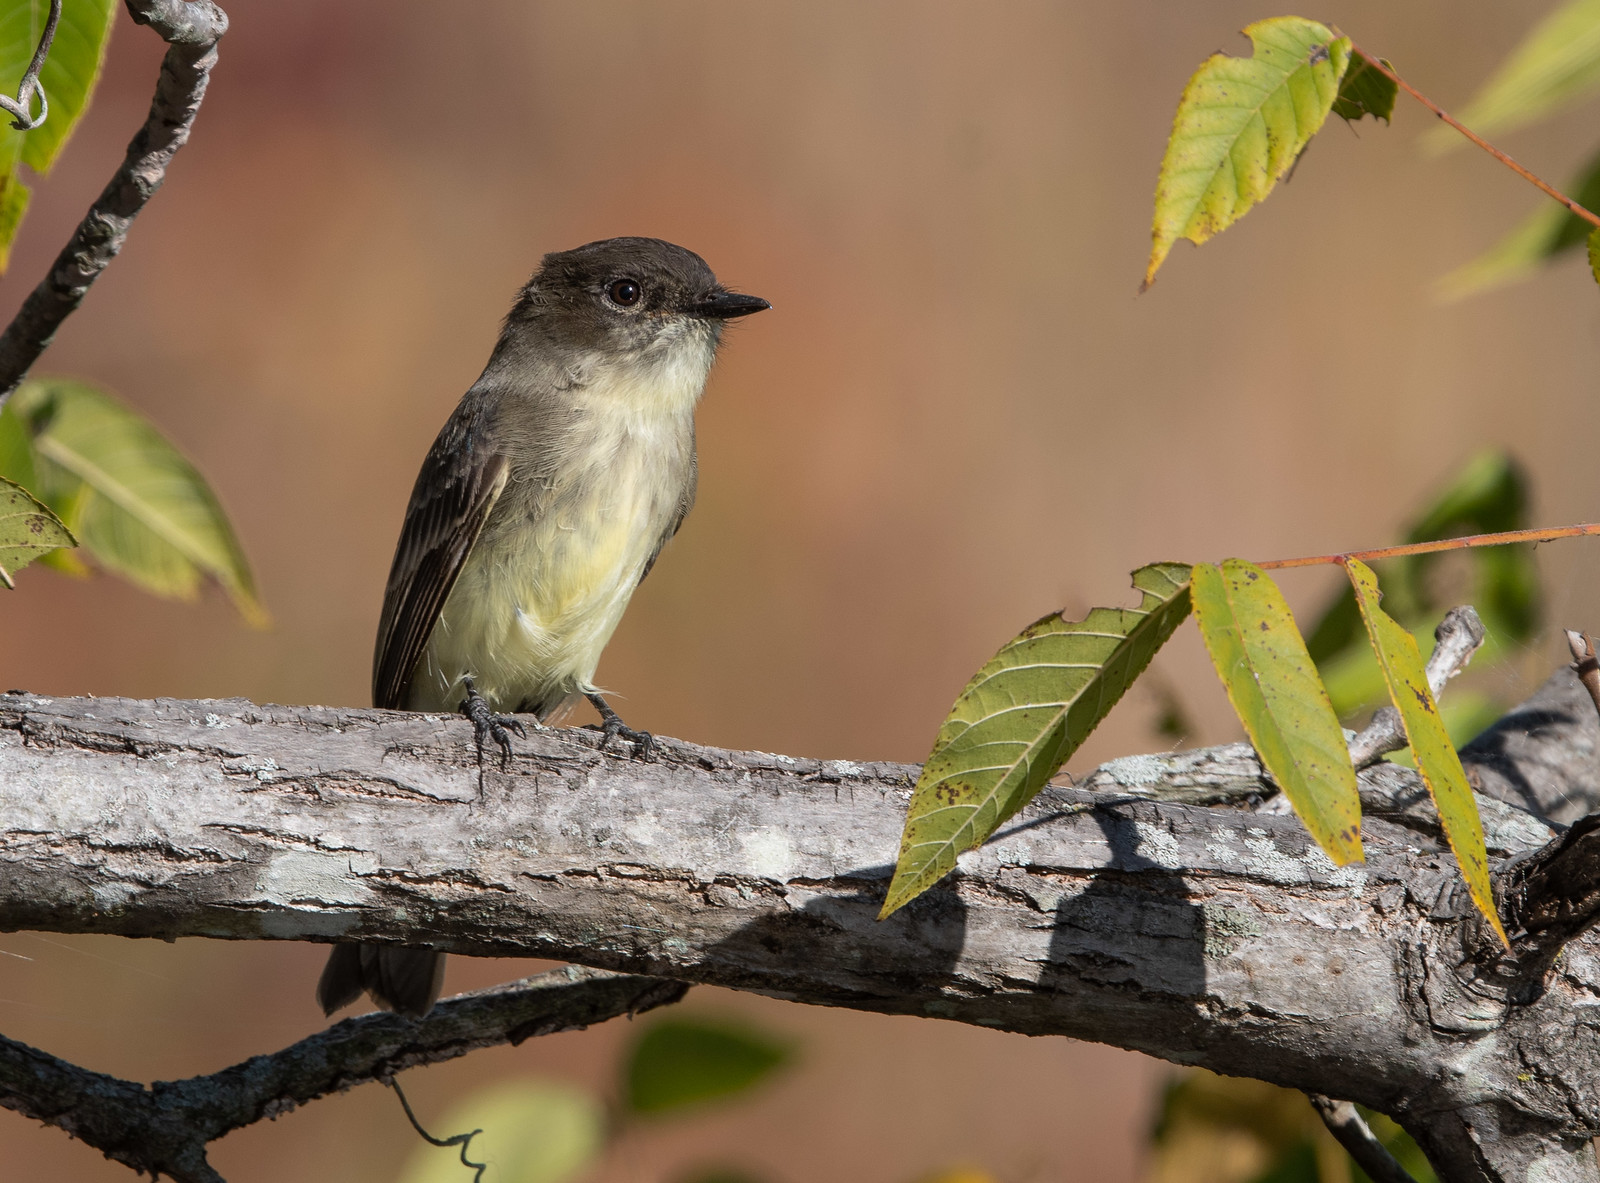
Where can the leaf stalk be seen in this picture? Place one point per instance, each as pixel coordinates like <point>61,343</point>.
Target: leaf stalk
<point>1506,538</point>
<point>1549,190</point>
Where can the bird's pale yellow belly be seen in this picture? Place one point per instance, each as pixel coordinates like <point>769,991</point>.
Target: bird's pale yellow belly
<point>547,583</point>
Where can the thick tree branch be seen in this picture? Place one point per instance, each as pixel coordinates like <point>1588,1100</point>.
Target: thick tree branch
<point>191,28</point>
<point>1213,936</point>
<point>164,1128</point>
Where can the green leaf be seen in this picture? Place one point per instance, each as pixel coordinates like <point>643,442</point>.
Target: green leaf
<point>1365,90</point>
<point>533,1131</point>
<point>1557,63</point>
<point>1273,685</point>
<point>69,75</point>
<point>1489,494</point>
<point>27,530</point>
<point>68,78</point>
<point>1549,231</point>
<point>681,1062</point>
<point>1594,254</point>
<point>1240,126</point>
<point>1436,759</point>
<point>140,509</point>
<point>14,197</point>
<point>16,449</point>
<point>1021,717</point>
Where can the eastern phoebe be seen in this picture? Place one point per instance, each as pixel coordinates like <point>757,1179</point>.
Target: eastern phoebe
<point>543,502</point>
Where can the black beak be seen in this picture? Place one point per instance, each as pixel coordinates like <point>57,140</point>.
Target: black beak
<point>727,305</point>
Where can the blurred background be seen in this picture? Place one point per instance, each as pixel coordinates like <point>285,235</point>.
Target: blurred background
<point>958,417</point>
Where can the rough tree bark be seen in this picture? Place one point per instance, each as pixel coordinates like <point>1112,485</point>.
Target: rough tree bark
<point>1217,936</point>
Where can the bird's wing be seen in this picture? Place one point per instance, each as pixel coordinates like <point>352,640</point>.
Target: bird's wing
<point>458,485</point>
<point>685,504</point>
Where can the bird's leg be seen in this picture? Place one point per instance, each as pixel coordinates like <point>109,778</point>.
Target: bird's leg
<point>487,725</point>
<point>611,725</point>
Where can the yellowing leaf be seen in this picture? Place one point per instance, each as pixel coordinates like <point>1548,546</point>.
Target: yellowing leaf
<point>1273,685</point>
<point>1430,745</point>
<point>1020,718</point>
<point>530,1131</point>
<point>1556,63</point>
<point>1241,125</point>
<point>140,509</point>
<point>27,530</point>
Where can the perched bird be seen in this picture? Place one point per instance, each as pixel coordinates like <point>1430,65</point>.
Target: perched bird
<point>543,502</point>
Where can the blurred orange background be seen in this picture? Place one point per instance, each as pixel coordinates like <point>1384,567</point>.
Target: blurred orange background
<point>957,417</point>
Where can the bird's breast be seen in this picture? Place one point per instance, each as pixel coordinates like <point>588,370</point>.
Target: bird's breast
<point>550,576</point>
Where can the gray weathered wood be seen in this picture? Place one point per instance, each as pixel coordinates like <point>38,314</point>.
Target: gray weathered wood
<point>1214,936</point>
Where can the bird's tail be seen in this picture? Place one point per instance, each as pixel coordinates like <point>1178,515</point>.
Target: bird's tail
<point>400,979</point>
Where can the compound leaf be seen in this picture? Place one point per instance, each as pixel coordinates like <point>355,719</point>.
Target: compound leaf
<point>1022,716</point>
<point>1273,685</point>
<point>1436,757</point>
<point>1240,126</point>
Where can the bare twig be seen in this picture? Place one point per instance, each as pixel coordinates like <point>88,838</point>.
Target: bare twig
<point>1459,635</point>
<point>165,1127</point>
<point>20,109</point>
<point>191,30</point>
<point>1547,534</point>
<point>1346,1124</point>
<point>1549,190</point>
<point>1585,664</point>
<point>454,1140</point>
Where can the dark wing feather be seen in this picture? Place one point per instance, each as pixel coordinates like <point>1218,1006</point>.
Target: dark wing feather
<point>459,482</point>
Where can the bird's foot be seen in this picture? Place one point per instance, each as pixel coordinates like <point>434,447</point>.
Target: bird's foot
<point>487,726</point>
<point>611,726</point>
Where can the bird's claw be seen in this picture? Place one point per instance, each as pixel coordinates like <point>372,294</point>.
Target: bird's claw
<point>612,726</point>
<point>487,726</point>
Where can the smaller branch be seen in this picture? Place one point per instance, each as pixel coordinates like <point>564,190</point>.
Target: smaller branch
<point>1547,534</point>
<point>164,1128</point>
<point>1585,664</point>
<point>1346,1124</point>
<point>1459,635</point>
<point>191,30</point>
<point>1548,189</point>
<point>19,109</point>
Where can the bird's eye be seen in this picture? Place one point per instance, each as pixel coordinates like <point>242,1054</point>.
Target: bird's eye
<point>624,293</point>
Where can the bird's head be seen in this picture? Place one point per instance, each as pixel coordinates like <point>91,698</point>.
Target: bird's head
<point>626,297</point>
